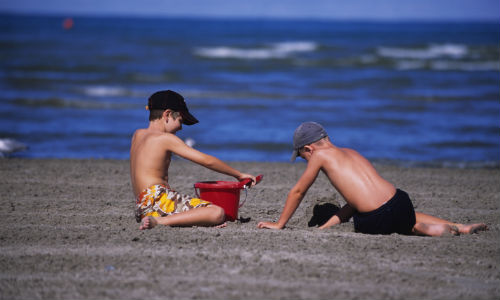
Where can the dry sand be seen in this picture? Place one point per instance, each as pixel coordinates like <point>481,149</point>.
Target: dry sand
<point>68,232</point>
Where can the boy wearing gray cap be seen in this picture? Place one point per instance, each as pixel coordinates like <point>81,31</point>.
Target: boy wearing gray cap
<point>375,204</point>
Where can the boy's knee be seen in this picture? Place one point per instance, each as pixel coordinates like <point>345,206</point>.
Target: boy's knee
<point>219,216</point>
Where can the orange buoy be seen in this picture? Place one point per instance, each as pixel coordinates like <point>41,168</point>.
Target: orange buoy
<point>68,23</point>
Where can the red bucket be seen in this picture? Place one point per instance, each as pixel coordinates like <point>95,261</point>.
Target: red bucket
<point>225,194</point>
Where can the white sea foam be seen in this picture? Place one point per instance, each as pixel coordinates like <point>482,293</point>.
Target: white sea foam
<point>430,52</point>
<point>277,50</point>
<point>437,57</point>
<point>9,145</point>
<point>297,46</point>
<point>105,91</point>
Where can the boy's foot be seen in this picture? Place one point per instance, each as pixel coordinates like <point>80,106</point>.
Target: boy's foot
<point>472,228</point>
<point>148,223</point>
<point>221,225</point>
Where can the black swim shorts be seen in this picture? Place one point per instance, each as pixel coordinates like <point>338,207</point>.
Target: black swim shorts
<point>395,216</point>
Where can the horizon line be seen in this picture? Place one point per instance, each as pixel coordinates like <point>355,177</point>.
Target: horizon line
<point>244,17</point>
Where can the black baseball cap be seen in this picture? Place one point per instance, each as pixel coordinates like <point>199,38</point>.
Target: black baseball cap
<point>174,101</point>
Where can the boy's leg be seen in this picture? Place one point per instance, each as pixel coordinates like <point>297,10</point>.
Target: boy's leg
<point>202,216</point>
<point>433,226</point>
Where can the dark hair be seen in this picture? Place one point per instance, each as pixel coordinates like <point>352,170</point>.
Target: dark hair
<point>156,114</point>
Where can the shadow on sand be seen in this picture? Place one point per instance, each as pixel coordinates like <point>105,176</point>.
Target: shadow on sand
<point>322,213</point>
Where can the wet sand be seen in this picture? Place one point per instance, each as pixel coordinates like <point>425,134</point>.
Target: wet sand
<point>68,232</point>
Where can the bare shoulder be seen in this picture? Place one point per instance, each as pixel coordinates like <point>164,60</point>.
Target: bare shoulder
<point>333,159</point>
<point>154,137</point>
<point>326,156</point>
<point>169,140</point>
<point>147,142</point>
<point>354,155</point>
<point>137,138</point>
<point>350,151</point>
<point>140,135</point>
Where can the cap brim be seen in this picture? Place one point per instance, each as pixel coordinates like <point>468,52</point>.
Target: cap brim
<point>294,155</point>
<point>188,118</point>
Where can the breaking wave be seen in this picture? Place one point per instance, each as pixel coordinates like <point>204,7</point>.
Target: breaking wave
<point>273,51</point>
<point>429,52</point>
<point>105,91</point>
<point>444,57</point>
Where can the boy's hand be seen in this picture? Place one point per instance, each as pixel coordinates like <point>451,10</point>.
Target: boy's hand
<point>270,225</point>
<point>245,176</point>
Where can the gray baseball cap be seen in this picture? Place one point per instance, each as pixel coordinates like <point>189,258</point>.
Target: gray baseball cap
<point>307,133</point>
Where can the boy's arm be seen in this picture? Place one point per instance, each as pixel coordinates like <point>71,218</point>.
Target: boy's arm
<point>343,215</point>
<point>295,196</point>
<point>177,146</point>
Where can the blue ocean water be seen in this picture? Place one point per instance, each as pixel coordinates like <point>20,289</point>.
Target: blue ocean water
<point>411,93</point>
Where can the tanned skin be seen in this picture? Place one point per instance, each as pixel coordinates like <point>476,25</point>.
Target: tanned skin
<point>360,185</point>
<point>150,156</point>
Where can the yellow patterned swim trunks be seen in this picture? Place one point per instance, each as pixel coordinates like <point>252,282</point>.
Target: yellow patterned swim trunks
<point>159,201</point>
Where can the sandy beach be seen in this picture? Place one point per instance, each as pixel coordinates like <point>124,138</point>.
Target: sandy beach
<point>68,232</point>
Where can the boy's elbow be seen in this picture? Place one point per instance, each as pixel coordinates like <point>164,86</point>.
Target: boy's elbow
<point>209,161</point>
<point>297,193</point>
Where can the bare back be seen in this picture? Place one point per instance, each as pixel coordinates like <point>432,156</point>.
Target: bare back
<point>149,160</point>
<point>354,177</point>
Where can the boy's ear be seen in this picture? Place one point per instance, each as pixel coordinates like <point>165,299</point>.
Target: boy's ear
<point>308,148</point>
<point>166,113</point>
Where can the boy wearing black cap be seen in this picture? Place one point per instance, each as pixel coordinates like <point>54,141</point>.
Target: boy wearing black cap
<point>376,205</point>
<point>150,155</point>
